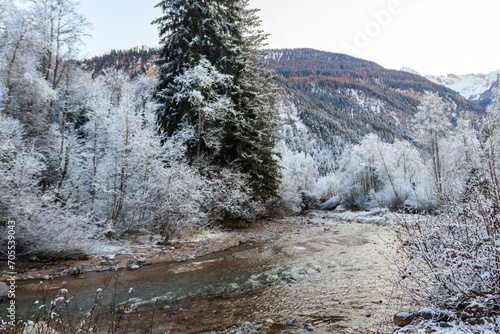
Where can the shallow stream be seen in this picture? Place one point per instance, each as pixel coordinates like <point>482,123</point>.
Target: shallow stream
<point>327,272</point>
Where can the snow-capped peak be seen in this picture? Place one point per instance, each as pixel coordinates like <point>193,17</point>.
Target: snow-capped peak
<point>409,70</point>
<point>470,86</point>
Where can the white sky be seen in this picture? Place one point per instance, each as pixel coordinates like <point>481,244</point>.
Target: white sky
<point>430,36</point>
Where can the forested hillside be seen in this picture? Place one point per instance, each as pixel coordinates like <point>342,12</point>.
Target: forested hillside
<point>135,61</point>
<point>344,98</point>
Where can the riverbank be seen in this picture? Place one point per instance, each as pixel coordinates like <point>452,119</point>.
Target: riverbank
<point>325,269</point>
<point>147,249</point>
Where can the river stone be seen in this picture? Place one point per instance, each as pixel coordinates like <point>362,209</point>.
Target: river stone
<point>269,321</point>
<point>74,270</point>
<point>309,327</point>
<point>4,290</point>
<point>403,319</point>
<point>330,205</point>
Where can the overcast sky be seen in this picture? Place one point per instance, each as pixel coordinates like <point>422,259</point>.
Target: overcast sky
<point>430,36</point>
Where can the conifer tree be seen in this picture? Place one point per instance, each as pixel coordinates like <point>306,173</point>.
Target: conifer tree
<point>221,39</point>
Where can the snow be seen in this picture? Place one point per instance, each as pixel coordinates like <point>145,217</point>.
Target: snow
<point>409,70</point>
<point>455,327</point>
<point>469,86</point>
<point>375,216</point>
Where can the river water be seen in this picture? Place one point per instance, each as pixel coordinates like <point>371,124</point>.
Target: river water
<point>328,272</point>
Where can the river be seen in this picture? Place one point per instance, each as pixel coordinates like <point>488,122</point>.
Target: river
<point>328,272</point>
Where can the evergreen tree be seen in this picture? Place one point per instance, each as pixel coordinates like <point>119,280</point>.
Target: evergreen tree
<point>189,33</point>
<point>231,96</point>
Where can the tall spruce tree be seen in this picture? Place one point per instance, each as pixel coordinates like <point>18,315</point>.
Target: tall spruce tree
<point>232,96</point>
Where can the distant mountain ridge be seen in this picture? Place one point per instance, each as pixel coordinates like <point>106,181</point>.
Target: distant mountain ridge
<point>135,61</point>
<point>478,88</point>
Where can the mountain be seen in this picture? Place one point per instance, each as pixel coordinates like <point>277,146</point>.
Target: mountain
<point>336,99</point>
<point>478,88</point>
<point>329,100</point>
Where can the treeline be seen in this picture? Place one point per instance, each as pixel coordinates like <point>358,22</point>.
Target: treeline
<point>134,61</point>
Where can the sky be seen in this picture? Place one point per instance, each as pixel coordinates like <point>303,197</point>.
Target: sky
<point>430,36</point>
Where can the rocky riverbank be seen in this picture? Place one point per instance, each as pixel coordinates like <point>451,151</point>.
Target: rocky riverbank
<point>147,249</point>
<point>324,271</point>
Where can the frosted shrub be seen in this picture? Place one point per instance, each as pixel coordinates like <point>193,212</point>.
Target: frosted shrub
<point>227,197</point>
<point>44,226</point>
<point>300,174</point>
<point>453,260</point>
<point>181,201</point>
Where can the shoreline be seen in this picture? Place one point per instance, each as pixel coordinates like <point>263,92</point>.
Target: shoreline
<point>138,251</point>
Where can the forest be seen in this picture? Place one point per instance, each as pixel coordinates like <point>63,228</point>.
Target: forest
<point>91,153</point>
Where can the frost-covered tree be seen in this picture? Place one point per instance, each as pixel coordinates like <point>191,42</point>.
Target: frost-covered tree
<point>122,153</point>
<point>37,49</point>
<point>45,227</point>
<point>461,159</point>
<point>209,110</point>
<point>375,173</point>
<point>432,124</point>
<point>61,29</point>
<point>250,135</point>
<point>491,133</point>
<point>300,174</point>
<point>211,79</point>
<point>358,174</point>
<point>24,88</point>
<point>190,31</point>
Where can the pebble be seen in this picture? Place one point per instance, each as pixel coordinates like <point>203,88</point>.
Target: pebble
<point>74,271</point>
<point>309,327</point>
<point>404,319</point>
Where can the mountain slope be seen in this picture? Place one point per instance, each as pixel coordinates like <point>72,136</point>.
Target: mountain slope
<point>341,98</point>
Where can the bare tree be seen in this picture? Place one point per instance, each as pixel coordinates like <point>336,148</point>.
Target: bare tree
<point>432,125</point>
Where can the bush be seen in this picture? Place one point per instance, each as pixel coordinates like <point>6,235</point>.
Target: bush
<point>453,259</point>
<point>45,226</point>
